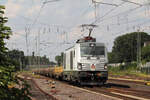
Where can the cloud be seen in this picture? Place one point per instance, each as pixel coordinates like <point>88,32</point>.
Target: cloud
<point>90,15</point>
<point>70,14</point>
<point>12,9</point>
<point>33,10</point>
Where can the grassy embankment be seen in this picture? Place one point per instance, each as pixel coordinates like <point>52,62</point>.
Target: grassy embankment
<point>128,71</point>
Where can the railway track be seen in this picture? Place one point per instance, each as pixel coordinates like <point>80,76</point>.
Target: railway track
<point>122,93</point>
<point>124,89</point>
<point>36,92</point>
<point>114,90</point>
<point>126,81</point>
<point>106,92</point>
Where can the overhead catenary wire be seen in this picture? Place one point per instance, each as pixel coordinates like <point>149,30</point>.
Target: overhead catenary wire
<point>129,21</point>
<point>101,19</point>
<point>38,15</point>
<point>117,7</point>
<point>45,2</point>
<point>124,1</point>
<point>132,2</point>
<point>93,1</point>
<point>107,13</point>
<point>133,27</point>
<point>130,10</point>
<point>121,23</point>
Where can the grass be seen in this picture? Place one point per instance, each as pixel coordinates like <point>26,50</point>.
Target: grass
<point>128,70</point>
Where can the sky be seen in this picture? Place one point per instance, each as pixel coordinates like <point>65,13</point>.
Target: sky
<point>48,27</point>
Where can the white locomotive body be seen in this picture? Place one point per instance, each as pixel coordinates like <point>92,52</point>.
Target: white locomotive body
<point>86,63</point>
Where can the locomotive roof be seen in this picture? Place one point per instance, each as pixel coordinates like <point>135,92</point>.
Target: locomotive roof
<point>84,43</point>
<point>97,43</point>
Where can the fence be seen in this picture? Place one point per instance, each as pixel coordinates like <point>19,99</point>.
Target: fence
<point>146,68</point>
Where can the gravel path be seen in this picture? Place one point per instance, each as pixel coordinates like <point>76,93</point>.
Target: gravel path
<point>67,92</point>
<point>36,93</point>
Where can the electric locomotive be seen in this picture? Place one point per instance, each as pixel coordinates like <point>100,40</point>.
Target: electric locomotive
<point>86,62</point>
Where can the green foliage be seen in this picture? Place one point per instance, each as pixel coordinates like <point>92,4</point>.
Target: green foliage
<point>59,59</point>
<point>112,57</point>
<point>5,31</point>
<point>52,63</point>
<point>146,53</point>
<point>128,68</point>
<point>125,47</point>
<point>35,60</point>
<point>7,78</point>
<point>16,58</point>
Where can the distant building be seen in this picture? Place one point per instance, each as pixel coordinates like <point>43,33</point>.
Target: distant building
<point>147,43</point>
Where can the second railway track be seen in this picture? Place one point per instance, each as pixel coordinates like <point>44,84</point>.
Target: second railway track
<point>124,92</point>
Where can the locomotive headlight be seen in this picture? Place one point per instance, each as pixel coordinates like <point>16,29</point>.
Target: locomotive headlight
<point>79,66</point>
<point>83,65</point>
<point>105,66</point>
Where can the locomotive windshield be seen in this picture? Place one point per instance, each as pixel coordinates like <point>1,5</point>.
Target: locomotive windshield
<point>92,51</point>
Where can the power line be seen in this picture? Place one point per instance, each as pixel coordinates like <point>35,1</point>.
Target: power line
<point>139,6</point>
<point>50,1</point>
<point>132,2</point>
<point>134,26</point>
<point>39,13</point>
<point>108,13</point>
<point>86,10</point>
<point>93,1</point>
<point>44,23</point>
<point>121,23</point>
<point>130,10</point>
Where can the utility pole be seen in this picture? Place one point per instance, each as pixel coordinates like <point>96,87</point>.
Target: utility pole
<point>38,48</point>
<point>27,31</point>
<point>20,61</point>
<point>95,6</point>
<point>138,48</point>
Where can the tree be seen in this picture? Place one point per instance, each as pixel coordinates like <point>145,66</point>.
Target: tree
<point>16,58</point>
<point>146,53</point>
<point>5,31</point>
<point>52,63</point>
<point>112,58</point>
<point>6,71</point>
<point>35,60</point>
<point>125,46</point>
<point>59,59</point>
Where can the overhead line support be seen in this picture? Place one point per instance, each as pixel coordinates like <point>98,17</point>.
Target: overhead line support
<point>132,2</point>
<point>93,1</point>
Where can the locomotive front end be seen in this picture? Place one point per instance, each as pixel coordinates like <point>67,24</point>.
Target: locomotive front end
<point>92,63</point>
<point>86,62</point>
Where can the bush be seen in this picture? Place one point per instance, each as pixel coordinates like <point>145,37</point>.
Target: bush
<point>7,77</point>
<point>126,67</point>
